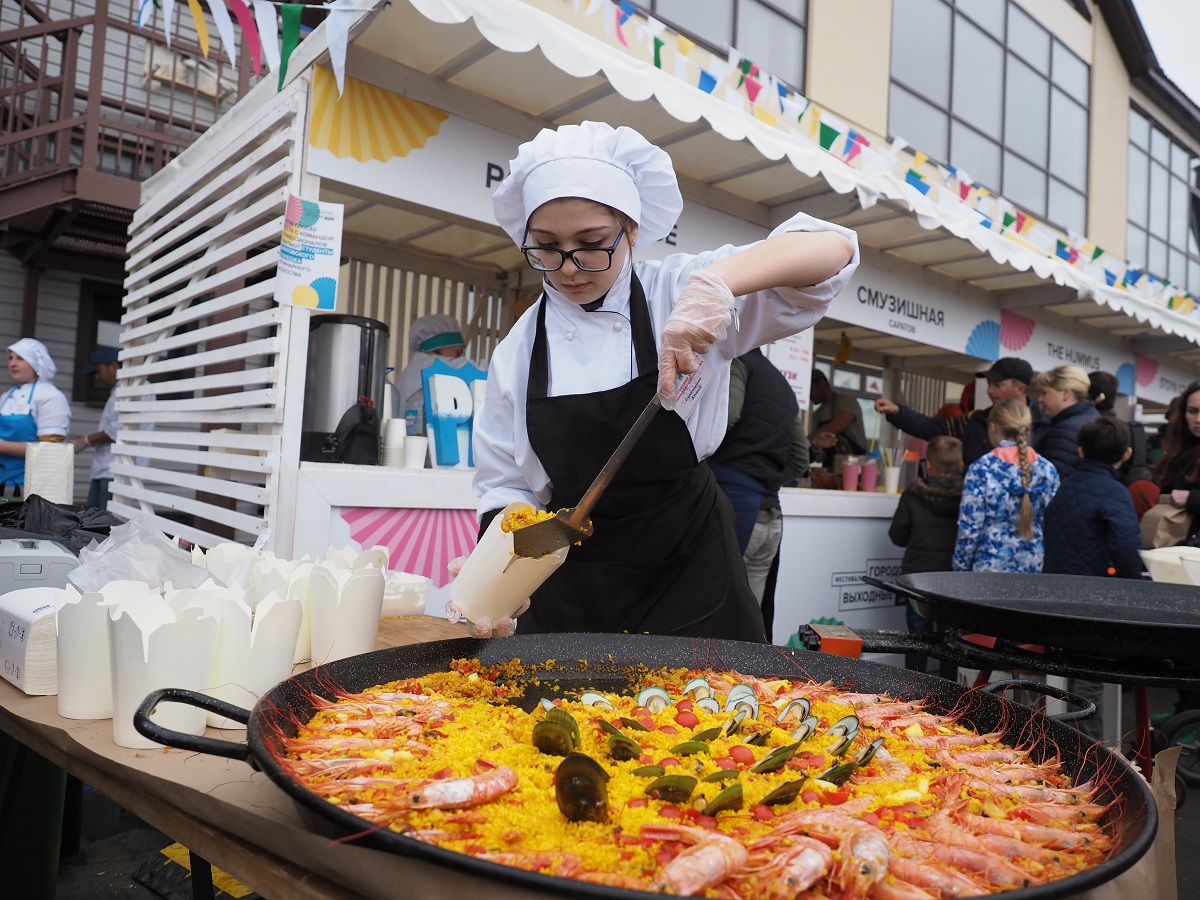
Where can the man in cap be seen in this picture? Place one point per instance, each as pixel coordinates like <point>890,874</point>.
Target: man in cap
<point>1007,379</point>
<point>103,365</point>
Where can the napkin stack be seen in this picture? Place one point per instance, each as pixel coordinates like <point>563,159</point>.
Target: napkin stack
<point>50,471</point>
<point>28,643</point>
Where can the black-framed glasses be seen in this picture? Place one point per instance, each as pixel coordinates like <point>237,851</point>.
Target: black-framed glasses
<point>546,259</point>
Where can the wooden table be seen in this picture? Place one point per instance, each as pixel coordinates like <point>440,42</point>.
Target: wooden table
<point>231,815</point>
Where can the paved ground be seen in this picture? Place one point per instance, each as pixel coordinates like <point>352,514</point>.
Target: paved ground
<point>115,845</point>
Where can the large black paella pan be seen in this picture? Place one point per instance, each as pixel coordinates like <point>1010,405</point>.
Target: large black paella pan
<point>601,662</point>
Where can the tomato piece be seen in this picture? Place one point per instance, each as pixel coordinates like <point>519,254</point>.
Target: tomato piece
<point>684,705</point>
<point>668,729</point>
<point>646,721</point>
<point>706,822</point>
<point>742,755</point>
<point>638,801</point>
<point>762,812</point>
<point>667,761</point>
<point>626,855</point>
<point>726,762</point>
<point>686,719</point>
<point>870,818</point>
<point>810,797</point>
<point>664,856</point>
<point>836,798</point>
<point>645,759</point>
<point>670,812</point>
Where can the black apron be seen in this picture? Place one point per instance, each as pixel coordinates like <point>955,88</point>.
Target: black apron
<point>663,557</point>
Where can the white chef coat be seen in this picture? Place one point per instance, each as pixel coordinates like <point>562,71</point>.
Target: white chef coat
<point>50,408</point>
<point>102,456</point>
<point>593,351</point>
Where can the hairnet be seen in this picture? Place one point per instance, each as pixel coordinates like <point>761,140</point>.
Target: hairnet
<point>614,166</point>
<point>35,353</point>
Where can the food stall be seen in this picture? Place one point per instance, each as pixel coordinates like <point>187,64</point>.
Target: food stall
<point>398,140</point>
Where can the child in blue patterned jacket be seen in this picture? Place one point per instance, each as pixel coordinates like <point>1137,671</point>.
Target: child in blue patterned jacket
<point>1005,495</point>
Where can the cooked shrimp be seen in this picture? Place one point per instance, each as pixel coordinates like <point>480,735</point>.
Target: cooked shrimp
<point>1044,835</point>
<point>998,872</point>
<point>933,876</point>
<point>795,869</point>
<point>946,741</point>
<point>711,859</point>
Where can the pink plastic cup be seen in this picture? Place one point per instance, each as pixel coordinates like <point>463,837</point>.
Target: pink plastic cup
<point>870,477</point>
<point>850,476</point>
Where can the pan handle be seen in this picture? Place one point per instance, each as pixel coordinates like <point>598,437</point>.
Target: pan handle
<point>1087,709</point>
<point>198,743</point>
<point>896,589</point>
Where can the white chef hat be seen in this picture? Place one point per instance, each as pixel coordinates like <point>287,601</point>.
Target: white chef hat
<point>35,353</point>
<point>614,166</point>
<point>430,333</point>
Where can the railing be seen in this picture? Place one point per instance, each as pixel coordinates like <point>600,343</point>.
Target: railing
<point>82,88</point>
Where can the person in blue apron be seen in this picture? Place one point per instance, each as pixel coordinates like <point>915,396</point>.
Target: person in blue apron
<point>607,333</point>
<point>33,409</point>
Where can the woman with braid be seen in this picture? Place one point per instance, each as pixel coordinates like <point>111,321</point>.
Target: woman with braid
<point>1005,495</point>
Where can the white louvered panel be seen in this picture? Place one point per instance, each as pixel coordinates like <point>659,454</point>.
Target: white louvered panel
<point>264,443</point>
<point>251,493</point>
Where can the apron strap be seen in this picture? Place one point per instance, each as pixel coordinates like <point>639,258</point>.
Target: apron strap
<point>644,344</point>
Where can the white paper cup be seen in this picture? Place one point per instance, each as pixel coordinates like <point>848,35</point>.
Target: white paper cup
<point>416,447</point>
<point>493,582</point>
<point>394,433</point>
<point>891,479</point>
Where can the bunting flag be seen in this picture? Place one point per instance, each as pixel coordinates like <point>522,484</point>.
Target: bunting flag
<point>814,120</point>
<point>1022,222</point>
<point>829,134</point>
<point>919,159</point>
<point>708,81</point>
<point>145,11</point>
<point>1007,221</point>
<point>337,32</point>
<point>241,12</point>
<point>913,177</point>
<point>268,32</point>
<point>290,14</point>
<point>683,44</point>
<point>168,9</point>
<point>594,6</point>
<point>752,88</point>
<point>224,25</point>
<point>659,43</point>
<point>201,26</point>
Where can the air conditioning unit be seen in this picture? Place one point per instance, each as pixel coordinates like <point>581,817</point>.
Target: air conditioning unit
<point>165,66</point>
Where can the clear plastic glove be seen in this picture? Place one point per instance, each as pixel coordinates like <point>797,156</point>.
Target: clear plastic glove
<point>700,319</point>
<point>483,629</point>
<point>79,443</point>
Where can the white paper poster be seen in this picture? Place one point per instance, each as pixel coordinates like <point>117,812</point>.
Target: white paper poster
<point>793,356</point>
<point>309,254</point>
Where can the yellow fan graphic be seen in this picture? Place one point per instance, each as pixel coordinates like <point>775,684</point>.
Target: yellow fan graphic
<point>367,122</point>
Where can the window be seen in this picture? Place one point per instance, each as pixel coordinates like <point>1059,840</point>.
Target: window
<point>980,84</point>
<point>1164,203</point>
<point>771,33</point>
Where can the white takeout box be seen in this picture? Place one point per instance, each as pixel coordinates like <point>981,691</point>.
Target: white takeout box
<point>1166,563</point>
<point>494,582</point>
<point>344,608</point>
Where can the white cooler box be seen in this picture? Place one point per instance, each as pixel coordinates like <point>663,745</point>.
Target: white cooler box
<point>26,563</point>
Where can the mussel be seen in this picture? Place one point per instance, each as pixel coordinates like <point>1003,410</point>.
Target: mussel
<point>654,699</point>
<point>794,711</point>
<point>775,760</point>
<point>805,729</point>
<point>622,747</point>
<point>591,698</point>
<point>838,774</point>
<point>741,699</point>
<point>729,798</point>
<point>708,734</point>
<point>690,748</point>
<point>847,729</point>
<point>722,775</point>
<point>632,723</point>
<point>672,788</point>
<point>785,793</point>
<point>581,789</point>
<point>649,771</point>
<point>557,733</point>
<point>698,689</point>
<point>866,754</point>
<point>731,725</point>
<point>709,704</point>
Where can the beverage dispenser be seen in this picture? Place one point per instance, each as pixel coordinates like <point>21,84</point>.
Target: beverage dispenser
<point>343,393</point>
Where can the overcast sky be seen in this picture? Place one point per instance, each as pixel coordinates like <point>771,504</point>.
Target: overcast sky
<point>1173,27</point>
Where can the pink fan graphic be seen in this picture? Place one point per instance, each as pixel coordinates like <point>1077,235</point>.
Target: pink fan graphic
<point>420,541</point>
<point>1146,369</point>
<point>295,209</point>
<point>1015,331</point>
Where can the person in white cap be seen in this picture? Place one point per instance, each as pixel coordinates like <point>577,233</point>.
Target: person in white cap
<point>579,366</point>
<point>430,338</point>
<point>32,410</point>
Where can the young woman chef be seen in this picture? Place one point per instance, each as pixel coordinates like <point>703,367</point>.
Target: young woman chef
<point>579,366</point>
<point>32,410</point>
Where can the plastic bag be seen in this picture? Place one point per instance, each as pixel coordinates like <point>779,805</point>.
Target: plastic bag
<point>136,551</point>
<point>74,527</point>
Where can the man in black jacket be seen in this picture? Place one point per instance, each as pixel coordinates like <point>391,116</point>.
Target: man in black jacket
<point>1008,378</point>
<point>763,449</point>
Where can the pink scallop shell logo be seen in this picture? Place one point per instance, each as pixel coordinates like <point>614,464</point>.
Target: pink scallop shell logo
<point>420,541</point>
<point>1015,331</point>
<point>1146,369</point>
